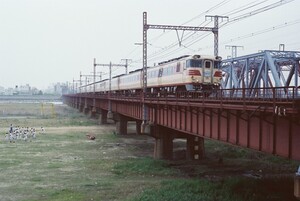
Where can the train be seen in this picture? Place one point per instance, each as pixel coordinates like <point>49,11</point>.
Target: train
<point>186,73</point>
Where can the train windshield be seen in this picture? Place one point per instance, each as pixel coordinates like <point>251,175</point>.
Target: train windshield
<point>193,63</point>
<point>217,64</point>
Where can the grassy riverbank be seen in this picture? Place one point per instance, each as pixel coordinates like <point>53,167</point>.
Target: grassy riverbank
<point>63,165</point>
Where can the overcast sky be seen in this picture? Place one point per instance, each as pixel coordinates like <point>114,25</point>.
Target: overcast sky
<point>48,41</point>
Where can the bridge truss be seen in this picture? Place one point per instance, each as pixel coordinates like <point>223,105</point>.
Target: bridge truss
<point>261,71</point>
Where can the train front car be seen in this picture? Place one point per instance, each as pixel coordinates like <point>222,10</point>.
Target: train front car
<point>202,73</point>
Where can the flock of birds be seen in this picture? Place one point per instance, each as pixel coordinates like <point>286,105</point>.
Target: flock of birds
<point>22,133</point>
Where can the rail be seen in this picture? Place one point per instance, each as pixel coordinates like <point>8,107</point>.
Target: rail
<point>275,100</point>
<point>282,94</point>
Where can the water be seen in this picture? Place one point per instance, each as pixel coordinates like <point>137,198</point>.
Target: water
<point>51,99</point>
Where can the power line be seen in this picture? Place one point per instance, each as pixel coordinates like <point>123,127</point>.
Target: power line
<point>257,11</point>
<point>189,40</point>
<point>196,17</point>
<point>273,28</point>
<point>245,7</point>
<point>269,29</point>
<point>222,3</point>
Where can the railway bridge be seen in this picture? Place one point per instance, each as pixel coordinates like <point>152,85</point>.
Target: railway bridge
<point>258,107</point>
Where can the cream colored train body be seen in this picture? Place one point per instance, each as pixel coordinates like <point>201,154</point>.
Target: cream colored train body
<point>186,73</point>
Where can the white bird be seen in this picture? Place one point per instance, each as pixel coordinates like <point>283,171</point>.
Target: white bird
<point>6,137</point>
<point>11,137</point>
<point>42,130</point>
<point>33,135</point>
<point>25,137</point>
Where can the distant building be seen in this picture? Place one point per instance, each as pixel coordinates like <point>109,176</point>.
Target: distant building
<point>57,88</point>
<point>24,90</point>
<point>2,90</point>
<point>19,90</point>
<point>9,91</point>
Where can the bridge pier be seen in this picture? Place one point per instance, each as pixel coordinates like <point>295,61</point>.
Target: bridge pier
<point>138,127</point>
<point>102,117</point>
<point>86,110</point>
<point>77,105</point>
<point>297,184</point>
<point>195,148</point>
<point>121,125</point>
<point>80,108</point>
<point>92,113</point>
<point>163,147</point>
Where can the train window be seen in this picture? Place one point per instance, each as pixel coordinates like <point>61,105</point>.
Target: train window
<point>160,72</point>
<point>207,64</point>
<point>217,64</point>
<point>178,67</point>
<point>193,63</point>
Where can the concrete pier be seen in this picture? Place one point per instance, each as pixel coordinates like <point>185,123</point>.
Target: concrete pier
<point>121,125</point>
<point>195,148</point>
<point>163,148</point>
<point>102,117</point>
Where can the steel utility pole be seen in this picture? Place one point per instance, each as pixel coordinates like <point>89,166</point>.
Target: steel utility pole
<point>281,47</point>
<point>86,79</point>
<point>74,85</point>
<point>80,83</point>
<point>233,49</point>
<point>126,64</point>
<point>147,26</point>
<point>110,65</point>
<point>215,30</point>
<point>97,74</point>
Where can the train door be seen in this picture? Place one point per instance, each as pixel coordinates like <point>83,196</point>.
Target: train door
<point>160,75</point>
<point>119,83</point>
<point>179,72</point>
<point>207,72</point>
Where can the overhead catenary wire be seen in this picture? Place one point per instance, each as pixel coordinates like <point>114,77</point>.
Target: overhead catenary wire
<point>273,28</point>
<point>222,3</point>
<point>257,11</point>
<point>263,31</point>
<point>193,38</point>
<point>245,7</point>
<point>251,13</point>
<point>169,49</point>
<point>194,18</point>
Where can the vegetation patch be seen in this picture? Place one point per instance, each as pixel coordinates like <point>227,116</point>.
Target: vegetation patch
<point>233,189</point>
<point>143,166</point>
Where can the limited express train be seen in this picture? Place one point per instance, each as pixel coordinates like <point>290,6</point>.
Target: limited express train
<point>186,73</point>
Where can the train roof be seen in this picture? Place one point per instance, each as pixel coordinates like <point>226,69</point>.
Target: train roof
<point>175,59</point>
<point>119,75</point>
<point>100,81</point>
<point>135,70</point>
<point>196,56</point>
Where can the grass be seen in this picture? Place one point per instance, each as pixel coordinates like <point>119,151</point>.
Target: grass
<point>63,165</point>
<point>232,189</point>
<point>41,114</point>
<point>143,166</point>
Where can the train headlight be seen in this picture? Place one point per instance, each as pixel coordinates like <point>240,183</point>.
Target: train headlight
<point>197,56</point>
<point>219,58</point>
